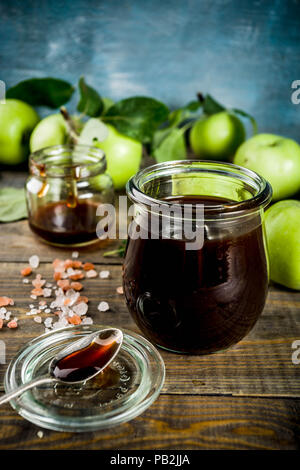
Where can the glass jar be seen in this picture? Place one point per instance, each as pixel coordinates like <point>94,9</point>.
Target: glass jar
<point>65,186</point>
<point>203,296</point>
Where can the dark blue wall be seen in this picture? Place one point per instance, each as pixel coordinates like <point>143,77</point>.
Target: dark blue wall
<point>245,53</point>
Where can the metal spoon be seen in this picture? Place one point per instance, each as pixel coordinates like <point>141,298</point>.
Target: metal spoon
<point>102,338</point>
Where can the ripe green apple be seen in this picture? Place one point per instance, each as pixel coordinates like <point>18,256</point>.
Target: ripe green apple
<point>275,158</point>
<point>17,119</point>
<point>217,137</point>
<point>51,130</point>
<point>282,224</point>
<point>123,156</point>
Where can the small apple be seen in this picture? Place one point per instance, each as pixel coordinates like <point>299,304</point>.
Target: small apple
<point>51,130</point>
<point>275,158</point>
<point>123,156</point>
<point>17,119</point>
<point>217,137</point>
<point>283,238</point>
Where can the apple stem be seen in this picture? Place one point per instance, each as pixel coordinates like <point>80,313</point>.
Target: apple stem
<point>70,125</point>
<point>200,97</point>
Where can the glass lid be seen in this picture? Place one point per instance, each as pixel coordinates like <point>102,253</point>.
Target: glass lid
<point>128,386</point>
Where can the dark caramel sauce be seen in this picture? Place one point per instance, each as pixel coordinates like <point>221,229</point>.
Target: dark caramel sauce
<point>197,301</point>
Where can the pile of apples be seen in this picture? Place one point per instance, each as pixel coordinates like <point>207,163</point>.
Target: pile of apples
<point>23,132</point>
<point>220,136</point>
<point>277,159</point>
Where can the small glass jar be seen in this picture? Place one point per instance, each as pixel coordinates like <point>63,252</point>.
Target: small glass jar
<point>203,298</point>
<point>64,189</point>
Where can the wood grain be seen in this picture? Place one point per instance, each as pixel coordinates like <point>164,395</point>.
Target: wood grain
<point>260,365</point>
<point>244,398</point>
<point>175,422</point>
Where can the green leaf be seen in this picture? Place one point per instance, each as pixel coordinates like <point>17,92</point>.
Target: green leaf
<point>172,147</point>
<point>90,101</point>
<point>211,106</point>
<point>248,116</point>
<point>179,115</point>
<point>159,136</point>
<point>137,117</point>
<point>175,118</point>
<point>119,251</point>
<point>49,92</point>
<point>12,204</point>
<point>107,103</point>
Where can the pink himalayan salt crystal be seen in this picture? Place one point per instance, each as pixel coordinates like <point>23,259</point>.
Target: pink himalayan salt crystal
<point>91,273</point>
<point>120,290</point>
<point>12,324</point>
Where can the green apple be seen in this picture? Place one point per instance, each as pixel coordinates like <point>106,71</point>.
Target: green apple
<point>17,119</point>
<point>51,130</point>
<point>275,158</point>
<point>217,137</point>
<point>282,224</point>
<point>123,156</point>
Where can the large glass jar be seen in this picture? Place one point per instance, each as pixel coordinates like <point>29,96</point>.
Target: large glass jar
<point>64,189</point>
<point>205,296</point>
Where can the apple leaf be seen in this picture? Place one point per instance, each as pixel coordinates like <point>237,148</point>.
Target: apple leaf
<point>211,106</point>
<point>179,115</point>
<point>49,92</point>
<point>12,204</point>
<point>248,116</point>
<point>107,103</point>
<point>174,119</point>
<point>137,117</point>
<point>90,102</point>
<point>172,147</point>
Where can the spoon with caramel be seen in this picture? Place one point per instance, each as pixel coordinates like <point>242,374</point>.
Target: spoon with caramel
<point>78,362</point>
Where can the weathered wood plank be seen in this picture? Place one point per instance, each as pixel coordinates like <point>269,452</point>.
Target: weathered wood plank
<point>19,243</point>
<point>260,365</point>
<point>175,422</point>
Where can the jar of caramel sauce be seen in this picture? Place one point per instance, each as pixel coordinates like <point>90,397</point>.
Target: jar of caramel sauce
<point>203,298</point>
<point>63,191</point>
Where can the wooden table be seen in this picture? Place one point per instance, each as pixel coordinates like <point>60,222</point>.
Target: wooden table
<point>245,398</point>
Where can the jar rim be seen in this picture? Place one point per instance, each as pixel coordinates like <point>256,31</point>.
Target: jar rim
<point>46,161</point>
<point>259,200</point>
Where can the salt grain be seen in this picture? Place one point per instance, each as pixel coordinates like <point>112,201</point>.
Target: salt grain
<point>120,290</point>
<point>103,307</point>
<point>75,254</point>
<point>47,310</point>
<point>91,273</point>
<point>38,319</point>
<point>87,321</point>
<point>40,434</point>
<point>48,322</point>
<point>104,274</point>
<point>34,261</point>
<point>7,315</point>
<point>47,292</point>
<point>2,313</point>
<point>34,297</point>
<point>25,281</point>
<point>80,309</point>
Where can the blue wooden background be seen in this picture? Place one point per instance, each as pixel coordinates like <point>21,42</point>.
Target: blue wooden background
<point>245,53</point>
